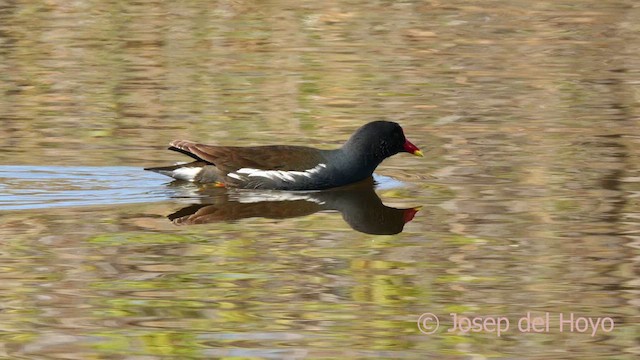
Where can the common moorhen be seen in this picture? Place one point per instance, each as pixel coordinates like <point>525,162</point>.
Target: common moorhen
<point>283,167</point>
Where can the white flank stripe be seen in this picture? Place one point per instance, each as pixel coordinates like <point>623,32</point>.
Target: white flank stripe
<point>287,176</point>
<point>186,173</point>
<point>235,176</point>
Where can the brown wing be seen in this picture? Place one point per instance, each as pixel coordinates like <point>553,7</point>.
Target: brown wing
<point>232,158</point>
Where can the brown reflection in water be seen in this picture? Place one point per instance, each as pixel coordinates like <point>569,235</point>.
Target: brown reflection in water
<point>359,205</point>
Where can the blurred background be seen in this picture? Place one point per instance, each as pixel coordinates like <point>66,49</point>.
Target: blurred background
<point>528,114</point>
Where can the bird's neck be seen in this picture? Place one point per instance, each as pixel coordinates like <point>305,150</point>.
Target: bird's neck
<point>358,161</point>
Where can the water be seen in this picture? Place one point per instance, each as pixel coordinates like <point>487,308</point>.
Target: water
<point>38,187</point>
<point>527,198</point>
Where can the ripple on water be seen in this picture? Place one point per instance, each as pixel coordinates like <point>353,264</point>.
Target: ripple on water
<point>33,187</point>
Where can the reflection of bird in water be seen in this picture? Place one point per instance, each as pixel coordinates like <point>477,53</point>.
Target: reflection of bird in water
<point>359,205</point>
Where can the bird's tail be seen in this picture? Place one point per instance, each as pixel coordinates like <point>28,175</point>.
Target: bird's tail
<point>187,172</point>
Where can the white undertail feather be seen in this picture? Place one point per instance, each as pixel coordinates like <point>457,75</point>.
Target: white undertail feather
<point>287,176</point>
<point>186,173</point>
